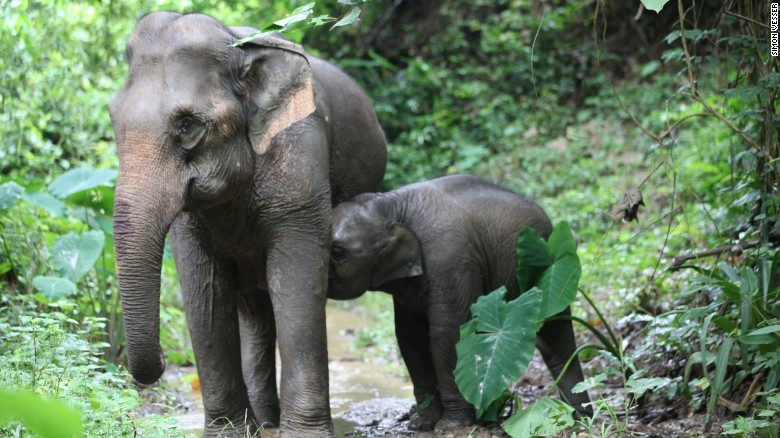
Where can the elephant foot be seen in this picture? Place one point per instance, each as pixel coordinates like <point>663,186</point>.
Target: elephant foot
<point>267,416</point>
<point>425,419</point>
<point>225,427</point>
<point>322,428</point>
<point>451,421</point>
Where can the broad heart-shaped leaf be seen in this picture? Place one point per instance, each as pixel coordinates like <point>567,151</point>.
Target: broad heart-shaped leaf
<point>655,5</point>
<point>494,351</point>
<point>559,282</point>
<point>47,202</point>
<point>80,179</point>
<point>544,417</point>
<point>533,258</point>
<point>54,288</point>
<point>74,255</point>
<point>10,193</point>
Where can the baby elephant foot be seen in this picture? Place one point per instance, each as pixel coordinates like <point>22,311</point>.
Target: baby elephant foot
<point>424,419</point>
<point>456,420</point>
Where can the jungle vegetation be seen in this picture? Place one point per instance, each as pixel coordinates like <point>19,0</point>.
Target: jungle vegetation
<point>653,134</point>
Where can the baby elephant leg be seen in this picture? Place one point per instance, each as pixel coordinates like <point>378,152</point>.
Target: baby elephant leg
<point>411,330</point>
<point>445,333</point>
<point>556,343</point>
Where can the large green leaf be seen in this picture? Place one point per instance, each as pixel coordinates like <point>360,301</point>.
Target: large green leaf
<point>47,202</point>
<point>533,258</point>
<point>77,180</point>
<point>74,255</point>
<point>45,418</point>
<point>559,282</point>
<point>54,288</point>
<point>495,350</point>
<point>544,417</point>
<point>10,193</point>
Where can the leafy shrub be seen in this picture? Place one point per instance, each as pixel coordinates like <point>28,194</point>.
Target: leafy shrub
<point>47,353</point>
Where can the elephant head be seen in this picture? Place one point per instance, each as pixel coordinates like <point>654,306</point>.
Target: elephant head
<point>369,249</point>
<point>190,121</point>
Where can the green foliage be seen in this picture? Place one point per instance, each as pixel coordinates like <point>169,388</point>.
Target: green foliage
<point>48,354</point>
<point>544,417</point>
<point>300,19</point>
<point>46,418</point>
<point>551,265</point>
<point>655,5</point>
<point>496,345</point>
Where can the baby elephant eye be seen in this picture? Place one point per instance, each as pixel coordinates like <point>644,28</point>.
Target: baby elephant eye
<point>337,254</point>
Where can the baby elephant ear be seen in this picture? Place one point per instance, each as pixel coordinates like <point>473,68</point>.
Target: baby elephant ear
<point>400,258</point>
<point>280,88</point>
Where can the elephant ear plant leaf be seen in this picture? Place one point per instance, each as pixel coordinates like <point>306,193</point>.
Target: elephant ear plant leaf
<point>9,194</point>
<point>552,266</point>
<point>73,255</point>
<point>78,180</point>
<point>496,345</point>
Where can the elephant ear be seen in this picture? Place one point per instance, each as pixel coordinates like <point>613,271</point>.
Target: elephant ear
<point>280,88</point>
<point>401,256</point>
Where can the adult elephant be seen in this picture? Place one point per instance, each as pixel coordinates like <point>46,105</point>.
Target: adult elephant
<point>240,153</point>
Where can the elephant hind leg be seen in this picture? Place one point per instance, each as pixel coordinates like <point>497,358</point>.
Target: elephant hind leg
<point>258,355</point>
<point>557,344</point>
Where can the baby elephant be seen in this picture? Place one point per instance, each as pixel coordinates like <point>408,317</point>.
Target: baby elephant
<point>437,246</point>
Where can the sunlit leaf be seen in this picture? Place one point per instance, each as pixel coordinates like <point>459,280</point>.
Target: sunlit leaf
<point>499,347</point>
<point>54,288</point>
<point>655,5</point>
<point>73,255</point>
<point>77,180</point>
<point>350,17</point>
<point>45,418</point>
<point>544,417</point>
<point>639,386</point>
<point>10,193</point>
<point>47,202</point>
<point>297,15</point>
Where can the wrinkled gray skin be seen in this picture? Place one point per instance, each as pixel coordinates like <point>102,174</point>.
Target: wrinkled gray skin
<point>437,246</point>
<point>223,147</point>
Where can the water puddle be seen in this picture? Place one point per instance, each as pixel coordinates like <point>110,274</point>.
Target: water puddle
<point>365,394</point>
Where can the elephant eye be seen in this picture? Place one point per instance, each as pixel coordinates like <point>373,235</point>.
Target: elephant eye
<point>337,254</point>
<point>189,132</point>
<point>185,125</point>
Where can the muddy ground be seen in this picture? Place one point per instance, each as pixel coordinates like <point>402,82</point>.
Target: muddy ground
<point>370,399</point>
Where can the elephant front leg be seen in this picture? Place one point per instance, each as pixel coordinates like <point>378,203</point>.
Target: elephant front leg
<point>411,331</point>
<point>445,321</point>
<point>297,278</point>
<point>209,293</point>
<point>258,354</point>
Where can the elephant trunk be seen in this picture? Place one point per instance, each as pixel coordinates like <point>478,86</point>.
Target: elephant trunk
<point>144,208</point>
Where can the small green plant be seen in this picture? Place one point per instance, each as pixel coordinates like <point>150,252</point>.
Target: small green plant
<point>498,343</point>
<point>48,353</point>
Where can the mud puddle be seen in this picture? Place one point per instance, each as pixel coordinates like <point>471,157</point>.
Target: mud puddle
<point>366,397</point>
